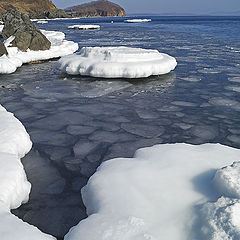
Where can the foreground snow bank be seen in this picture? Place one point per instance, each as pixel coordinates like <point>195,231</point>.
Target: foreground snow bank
<point>137,20</point>
<point>59,47</point>
<point>84,27</point>
<point>227,180</point>
<point>117,62</point>
<point>221,219</point>
<point>14,187</point>
<point>153,195</point>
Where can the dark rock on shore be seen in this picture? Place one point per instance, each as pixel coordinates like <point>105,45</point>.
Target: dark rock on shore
<point>27,35</point>
<point>100,8</point>
<point>34,8</point>
<point>3,50</point>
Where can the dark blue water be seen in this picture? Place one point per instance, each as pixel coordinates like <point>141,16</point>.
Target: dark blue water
<point>75,123</point>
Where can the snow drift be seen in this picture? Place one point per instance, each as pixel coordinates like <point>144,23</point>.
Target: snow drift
<point>59,47</point>
<point>154,195</point>
<point>14,187</point>
<point>117,62</point>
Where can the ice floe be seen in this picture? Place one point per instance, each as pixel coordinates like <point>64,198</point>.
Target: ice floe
<point>154,194</point>
<point>59,47</point>
<point>117,62</point>
<point>42,21</point>
<point>84,27</point>
<point>14,187</point>
<point>234,79</point>
<point>137,20</point>
<point>233,88</point>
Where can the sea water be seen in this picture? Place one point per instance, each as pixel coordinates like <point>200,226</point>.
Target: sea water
<point>76,123</point>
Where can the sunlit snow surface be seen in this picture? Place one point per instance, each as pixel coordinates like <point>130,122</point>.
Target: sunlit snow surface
<point>14,187</point>
<point>117,62</point>
<point>59,47</point>
<point>154,194</point>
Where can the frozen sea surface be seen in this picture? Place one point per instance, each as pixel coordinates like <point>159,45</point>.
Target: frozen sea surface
<point>76,123</point>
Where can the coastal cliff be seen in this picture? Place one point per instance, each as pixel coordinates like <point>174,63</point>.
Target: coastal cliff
<point>100,8</point>
<point>34,8</point>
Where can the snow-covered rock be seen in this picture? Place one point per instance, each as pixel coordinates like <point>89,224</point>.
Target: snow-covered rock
<point>84,27</point>
<point>59,47</point>
<point>117,62</point>
<point>227,180</point>
<point>153,195</point>
<point>137,20</point>
<point>14,187</point>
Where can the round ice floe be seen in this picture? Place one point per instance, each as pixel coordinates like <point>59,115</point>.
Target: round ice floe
<point>137,20</point>
<point>221,220</point>
<point>227,180</point>
<point>84,27</point>
<point>117,62</point>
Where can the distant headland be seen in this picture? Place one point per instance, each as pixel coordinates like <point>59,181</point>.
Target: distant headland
<point>46,9</point>
<point>100,8</point>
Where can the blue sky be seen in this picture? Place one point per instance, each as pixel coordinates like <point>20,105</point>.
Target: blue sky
<point>167,6</point>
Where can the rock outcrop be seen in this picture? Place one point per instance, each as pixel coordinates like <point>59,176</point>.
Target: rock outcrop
<point>34,8</point>
<point>100,8</point>
<point>3,50</point>
<point>27,35</point>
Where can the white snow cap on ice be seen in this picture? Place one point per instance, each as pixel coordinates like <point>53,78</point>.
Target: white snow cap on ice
<point>117,62</point>
<point>84,27</point>
<point>137,20</point>
<point>14,187</point>
<point>15,58</point>
<point>153,195</point>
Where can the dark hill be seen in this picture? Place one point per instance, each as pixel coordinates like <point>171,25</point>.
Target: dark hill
<point>34,8</point>
<point>100,8</point>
